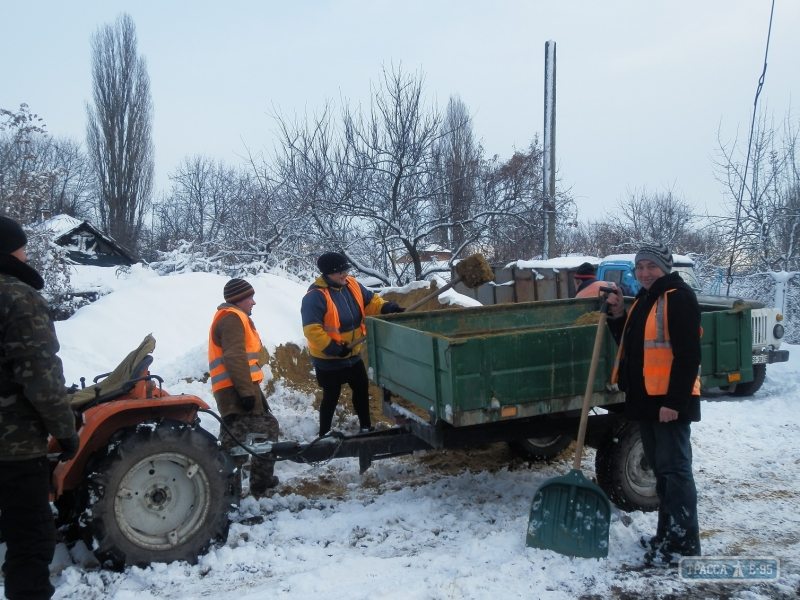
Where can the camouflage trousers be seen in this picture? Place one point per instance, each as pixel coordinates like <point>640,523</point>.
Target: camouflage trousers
<point>261,470</point>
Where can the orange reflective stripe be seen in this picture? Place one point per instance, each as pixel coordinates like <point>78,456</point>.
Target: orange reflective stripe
<point>216,362</point>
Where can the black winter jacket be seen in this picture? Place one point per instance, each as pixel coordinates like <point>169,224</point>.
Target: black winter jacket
<point>683,317</point>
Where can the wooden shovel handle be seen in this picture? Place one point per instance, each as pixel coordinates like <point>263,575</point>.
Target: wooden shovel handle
<point>598,341</point>
<point>414,306</point>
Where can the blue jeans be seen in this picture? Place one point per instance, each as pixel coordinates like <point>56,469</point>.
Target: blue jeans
<point>668,449</point>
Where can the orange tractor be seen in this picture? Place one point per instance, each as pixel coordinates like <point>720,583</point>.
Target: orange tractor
<point>148,483</point>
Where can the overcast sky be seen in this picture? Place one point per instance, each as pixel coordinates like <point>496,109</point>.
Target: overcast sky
<point>643,86</point>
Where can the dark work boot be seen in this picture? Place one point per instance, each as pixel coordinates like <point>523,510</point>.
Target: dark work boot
<point>675,545</point>
<point>651,543</point>
<point>260,492</point>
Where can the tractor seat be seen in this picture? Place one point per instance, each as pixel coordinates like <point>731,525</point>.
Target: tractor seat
<point>118,382</point>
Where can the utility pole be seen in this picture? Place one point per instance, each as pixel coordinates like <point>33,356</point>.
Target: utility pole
<point>549,150</point>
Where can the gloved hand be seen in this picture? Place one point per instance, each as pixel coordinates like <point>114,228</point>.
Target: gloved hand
<point>344,351</point>
<point>248,402</point>
<point>391,307</point>
<point>69,447</point>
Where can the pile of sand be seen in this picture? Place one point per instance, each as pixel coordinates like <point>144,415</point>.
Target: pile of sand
<point>590,318</point>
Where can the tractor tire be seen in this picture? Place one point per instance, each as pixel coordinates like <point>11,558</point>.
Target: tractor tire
<point>161,492</point>
<point>751,387</point>
<point>622,470</point>
<point>541,448</point>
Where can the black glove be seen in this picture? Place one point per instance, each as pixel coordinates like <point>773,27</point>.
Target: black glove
<point>248,402</point>
<point>69,447</point>
<point>391,307</point>
<point>343,351</point>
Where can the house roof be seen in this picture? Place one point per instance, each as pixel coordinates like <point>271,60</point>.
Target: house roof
<point>64,226</point>
<point>60,225</point>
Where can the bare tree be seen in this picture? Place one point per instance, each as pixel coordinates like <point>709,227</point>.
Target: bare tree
<point>644,215</point>
<point>201,200</point>
<point>24,181</point>
<point>118,133</point>
<point>459,159</point>
<point>71,192</point>
<point>512,191</point>
<point>764,211</point>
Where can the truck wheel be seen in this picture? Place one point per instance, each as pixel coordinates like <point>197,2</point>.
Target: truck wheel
<point>161,493</point>
<point>751,387</point>
<point>541,448</point>
<point>622,470</point>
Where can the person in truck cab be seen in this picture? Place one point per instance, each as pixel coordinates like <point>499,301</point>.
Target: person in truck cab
<point>586,284</point>
<point>657,367</point>
<point>333,312</point>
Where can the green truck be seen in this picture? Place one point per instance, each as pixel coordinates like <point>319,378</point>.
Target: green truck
<point>517,373</point>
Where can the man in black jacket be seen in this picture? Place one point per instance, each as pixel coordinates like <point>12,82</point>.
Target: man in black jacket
<point>657,367</point>
<point>33,404</point>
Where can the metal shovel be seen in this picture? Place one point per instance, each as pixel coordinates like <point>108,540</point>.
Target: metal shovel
<point>473,270</point>
<point>570,514</point>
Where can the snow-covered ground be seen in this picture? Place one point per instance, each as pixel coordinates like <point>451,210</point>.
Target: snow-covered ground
<point>407,529</point>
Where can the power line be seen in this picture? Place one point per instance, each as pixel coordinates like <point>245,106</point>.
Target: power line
<point>747,160</point>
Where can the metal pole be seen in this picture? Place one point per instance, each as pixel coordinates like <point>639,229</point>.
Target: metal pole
<point>549,149</point>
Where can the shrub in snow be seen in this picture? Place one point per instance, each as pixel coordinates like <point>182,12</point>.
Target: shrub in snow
<point>50,260</point>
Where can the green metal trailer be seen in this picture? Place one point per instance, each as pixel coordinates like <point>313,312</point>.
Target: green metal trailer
<point>517,373</point>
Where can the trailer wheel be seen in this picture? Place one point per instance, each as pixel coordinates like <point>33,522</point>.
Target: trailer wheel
<point>540,448</point>
<point>622,470</point>
<point>161,493</point>
<point>751,387</point>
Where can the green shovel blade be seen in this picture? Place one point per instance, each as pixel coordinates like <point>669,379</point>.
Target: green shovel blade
<point>570,515</point>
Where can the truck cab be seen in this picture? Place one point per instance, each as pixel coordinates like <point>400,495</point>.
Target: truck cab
<point>619,269</point>
<point>767,328</point>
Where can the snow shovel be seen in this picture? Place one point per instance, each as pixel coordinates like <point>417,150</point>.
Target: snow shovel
<point>570,514</point>
<point>473,270</point>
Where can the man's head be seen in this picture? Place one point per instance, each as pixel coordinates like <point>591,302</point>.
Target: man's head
<point>12,238</point>
<point>585,271</point>
<point>652,262</point>
<point>334,266</point>
<point>241,294</point>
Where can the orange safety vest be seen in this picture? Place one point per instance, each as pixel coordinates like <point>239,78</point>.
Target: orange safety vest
<point>216,363</point>
<point>657,351</point>
<point>331,323</point>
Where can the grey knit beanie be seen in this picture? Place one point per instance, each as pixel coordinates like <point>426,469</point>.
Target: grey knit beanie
<point>657,253</point>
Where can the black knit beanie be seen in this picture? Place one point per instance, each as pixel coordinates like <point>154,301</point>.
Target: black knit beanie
<point>585,271</point>
<point>12,238</point>
<point>332,262</point>
<point>657,253</point>
<point>237,290</point>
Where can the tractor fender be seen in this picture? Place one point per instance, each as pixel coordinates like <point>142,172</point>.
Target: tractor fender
<point>102,421</point>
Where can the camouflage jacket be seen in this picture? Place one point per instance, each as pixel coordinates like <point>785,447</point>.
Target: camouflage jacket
<point>33,400</point>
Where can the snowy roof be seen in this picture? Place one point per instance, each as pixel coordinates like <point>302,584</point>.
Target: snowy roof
<point>560,262</point>
<point>60,224</point>
<point>678,259</point>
